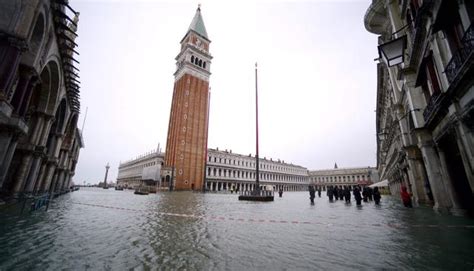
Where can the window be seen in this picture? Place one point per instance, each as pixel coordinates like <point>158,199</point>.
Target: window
<point>430,85</point>
<point>192,59</point>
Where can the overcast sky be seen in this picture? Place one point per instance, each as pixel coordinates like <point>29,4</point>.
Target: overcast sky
<point>317,79</point>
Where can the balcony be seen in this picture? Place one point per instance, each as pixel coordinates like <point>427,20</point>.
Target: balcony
<point>461,57</point>
<point>433,106</point>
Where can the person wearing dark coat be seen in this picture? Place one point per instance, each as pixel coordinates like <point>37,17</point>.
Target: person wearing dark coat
<point>365,194</point>
<point>312,194</point>
<point>340,192</point>
<point>319,191</point>
<point>357,195</point>
<point>330,193</point>
<point>377,195</point>
<point>280,192</point>
<point>335,192</point>
<point>370,192</point>
<point>347,194</point>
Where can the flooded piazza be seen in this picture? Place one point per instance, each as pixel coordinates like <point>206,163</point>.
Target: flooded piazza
<point>98,229</point>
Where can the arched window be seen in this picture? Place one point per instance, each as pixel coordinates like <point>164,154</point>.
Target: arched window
<point>192,58</point>
<point>200,63</point>
<point>196,61</point>
<point>204,64</point>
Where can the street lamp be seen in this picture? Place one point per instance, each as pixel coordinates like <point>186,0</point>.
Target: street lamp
<point>392,52</point>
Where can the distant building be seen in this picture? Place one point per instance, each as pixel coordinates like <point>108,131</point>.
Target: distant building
<point>362,176</point>
<point>224,171</point>
<point>39,97</point>
<point>144,170</point>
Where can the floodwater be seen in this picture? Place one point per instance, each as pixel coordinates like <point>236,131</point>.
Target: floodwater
<point>97,229</point>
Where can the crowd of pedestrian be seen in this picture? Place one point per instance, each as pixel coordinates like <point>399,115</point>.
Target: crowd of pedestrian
<point>340,192</point>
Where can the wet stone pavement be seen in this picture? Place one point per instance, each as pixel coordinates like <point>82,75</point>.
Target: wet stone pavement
<point>97,229</point>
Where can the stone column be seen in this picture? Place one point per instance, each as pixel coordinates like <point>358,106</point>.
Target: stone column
<point>38,155</point>
<point>417,165</point>
<point>48,175</point>
<point>39,184</point>
<point>28,93</point>
<point>432,165</point>
<point>8,152</point>
<point>451,194</point>
<point>60,173</point>
<point>24,88</point>
<point>415,176</point>
<point>11,49</point>
<point>466,149</point>
<point>20,179</point>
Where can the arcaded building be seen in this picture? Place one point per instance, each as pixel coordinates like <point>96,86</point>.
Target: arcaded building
<point>39,97</point>
<point>351,177</point>
<point>186,144</point>
<point>144,170</point>
<point>425,100</point>
<point>225,171</point>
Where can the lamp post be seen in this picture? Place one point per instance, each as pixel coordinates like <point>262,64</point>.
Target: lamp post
<point>393,52</point>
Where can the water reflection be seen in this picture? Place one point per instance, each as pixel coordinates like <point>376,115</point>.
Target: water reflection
<point>214,231</point>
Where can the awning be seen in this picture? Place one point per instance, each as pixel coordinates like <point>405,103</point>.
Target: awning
<point>383,183</point>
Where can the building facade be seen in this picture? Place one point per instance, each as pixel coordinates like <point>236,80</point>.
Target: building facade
<point>39,97</point>
<point>425,104</point>
<point>350,177</point>
<point>225,171</point>
<point>143,170</point>
<point>189,118</point>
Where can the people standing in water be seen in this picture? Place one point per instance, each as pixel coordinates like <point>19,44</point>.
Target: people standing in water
<point>406,198</point>
<point>370,193</point>
<point>319,191</point>
<point>347,194</point>
<point>365,194</point>
<point>312,194</point>
<point>330,193</point>
<point>280,192</point>
<point>335,192</point>
<point>357,195</point>
<point>377,195</point>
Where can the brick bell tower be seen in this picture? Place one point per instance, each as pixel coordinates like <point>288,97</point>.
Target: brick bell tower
<point>186,146</point>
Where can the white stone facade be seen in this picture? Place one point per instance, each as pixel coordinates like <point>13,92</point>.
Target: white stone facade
<point>224,171</point>
<point>425,105</point>
<point>136,172</point>
<point>343,177</point>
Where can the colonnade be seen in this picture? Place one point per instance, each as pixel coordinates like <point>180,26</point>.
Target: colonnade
<point>217,186</point>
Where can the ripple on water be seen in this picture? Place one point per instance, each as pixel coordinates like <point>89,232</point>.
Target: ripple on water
<point>222,233</point>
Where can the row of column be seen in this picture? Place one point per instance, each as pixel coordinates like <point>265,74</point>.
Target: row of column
<point>241,186</point>
<point>228,173</point>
